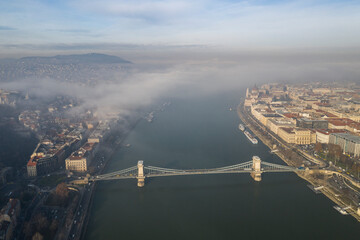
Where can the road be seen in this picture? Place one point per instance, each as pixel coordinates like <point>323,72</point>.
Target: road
<point>81,212</point>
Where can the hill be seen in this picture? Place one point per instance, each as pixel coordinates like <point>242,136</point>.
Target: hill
<point>76,58</point>
<point>86,68</point>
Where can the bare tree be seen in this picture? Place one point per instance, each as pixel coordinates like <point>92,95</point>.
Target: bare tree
<point>37,236</point>
<point>41,222</point>
<point>54,225</point>
<point>318,147</point>
<point>335,151</point>
<point>28,230</point>
<point>62,193</point>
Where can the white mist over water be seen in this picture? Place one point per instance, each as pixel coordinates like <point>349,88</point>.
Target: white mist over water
<point>162,74</point>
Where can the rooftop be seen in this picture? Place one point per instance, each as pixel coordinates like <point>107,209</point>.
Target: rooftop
<point>311,120</point>
<point>348,136</point>
<point>288,130</point>
<point>340,121</point>
<point>329,131</point>
<point>291,115</point>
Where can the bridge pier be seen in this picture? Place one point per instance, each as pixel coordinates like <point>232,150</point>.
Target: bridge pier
<point>140,177</point>
<point>256,169</point>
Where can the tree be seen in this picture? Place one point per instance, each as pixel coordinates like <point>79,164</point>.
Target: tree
<point>335,151</point>
<point>318,147</point>
<point>344,158</point>
<point>62,192</point>
<point>28,230</point>
<point>41,222</point>
<point>92,169</point>
<point>37,236</point>
<point>54,225</point>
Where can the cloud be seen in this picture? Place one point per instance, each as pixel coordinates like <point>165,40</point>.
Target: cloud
<point>20,50</point>
<point>152,11</point>
<point>69,30</point>
<point>192,74</point>
<point>247,24</point>
<point>7,28</point>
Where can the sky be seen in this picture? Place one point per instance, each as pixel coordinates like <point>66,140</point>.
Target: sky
<point>252,24</point>
<point>184,48</point>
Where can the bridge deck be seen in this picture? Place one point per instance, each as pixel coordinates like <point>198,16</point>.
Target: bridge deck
<point>151,171</point>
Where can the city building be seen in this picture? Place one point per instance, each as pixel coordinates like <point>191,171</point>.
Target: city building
<point>276,123</point>
<point>263,114</point>
<point>349,143</point>
<point>80,159</point>
<point>49,156</point>
<point>297,136</point>
<point>292,117</point>
<point>77,162</point>
<point>323,135</point>
<point>311,123</point>
<point>344,123</point>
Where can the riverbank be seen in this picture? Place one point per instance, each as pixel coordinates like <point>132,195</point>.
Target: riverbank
<point>314,180</point>
<point>115,147</point>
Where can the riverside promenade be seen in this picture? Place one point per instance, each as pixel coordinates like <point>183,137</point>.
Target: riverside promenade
<point>309,176</point>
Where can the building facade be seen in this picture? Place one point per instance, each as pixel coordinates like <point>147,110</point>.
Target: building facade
<point>76,163</point>
<point>80,159</point>
<point>297,136</point>
<point>349,143</point>
<point>310,123</point>
<point>275,124</point>
<point>323,135</point>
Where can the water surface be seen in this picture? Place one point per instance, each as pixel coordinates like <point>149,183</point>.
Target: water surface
<point>202,133</point>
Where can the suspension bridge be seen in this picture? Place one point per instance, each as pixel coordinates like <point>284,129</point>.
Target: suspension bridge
<point>255,167</point>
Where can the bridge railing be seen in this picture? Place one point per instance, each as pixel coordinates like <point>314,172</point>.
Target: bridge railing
<point>276,167</point>
<point>151,171</point>
<point>121,172</point>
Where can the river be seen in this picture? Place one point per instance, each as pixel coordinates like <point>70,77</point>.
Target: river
<point>202,133</point>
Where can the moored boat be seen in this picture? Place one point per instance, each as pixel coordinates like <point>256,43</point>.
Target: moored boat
<point>251,138</point>
<point>340,210</point>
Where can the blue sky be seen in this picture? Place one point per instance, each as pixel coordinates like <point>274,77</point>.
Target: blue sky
<point>224,23</point>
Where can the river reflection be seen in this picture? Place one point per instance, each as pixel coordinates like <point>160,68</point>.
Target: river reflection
<point>202,133</point>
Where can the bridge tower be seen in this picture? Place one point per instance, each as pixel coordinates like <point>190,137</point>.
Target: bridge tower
<point>256,169</point>
<point>140,177</point>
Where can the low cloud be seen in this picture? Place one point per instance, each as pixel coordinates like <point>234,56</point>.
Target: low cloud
<point>188,75</point>
<point>69,30</point>
<point>7,28</point>
<point>150,11</point>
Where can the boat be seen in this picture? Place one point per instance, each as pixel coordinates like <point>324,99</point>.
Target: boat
<point>314,189</point>
<point>341,210</point>
<point>230,109</point>
<point>241,127</point>
<point>251,138</point>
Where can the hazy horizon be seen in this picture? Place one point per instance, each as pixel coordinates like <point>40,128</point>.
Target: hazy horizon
<point>182,47</point>
<point>42,27</point>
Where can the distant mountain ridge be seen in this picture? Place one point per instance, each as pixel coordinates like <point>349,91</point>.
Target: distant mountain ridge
<point>85,68</point>
<point>96,58</point>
